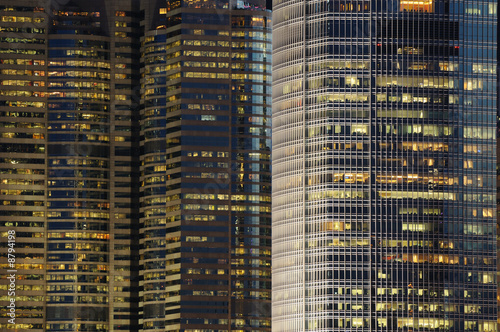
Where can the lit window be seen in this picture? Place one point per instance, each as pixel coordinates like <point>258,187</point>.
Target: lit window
<point>426,6</point>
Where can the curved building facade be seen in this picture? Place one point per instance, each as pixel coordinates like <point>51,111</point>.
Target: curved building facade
<point>384,165</point>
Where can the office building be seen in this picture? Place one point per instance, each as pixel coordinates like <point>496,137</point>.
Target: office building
<point>205,166</point>
<point>23,161</point>
<point>69,132</point>
<point>498,181</point>
<point>384,166</point>
<point>135,167</point>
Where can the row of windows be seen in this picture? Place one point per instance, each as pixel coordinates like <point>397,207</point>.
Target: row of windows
<point>21,19</point>
<point>22,171</point>
<point>22,83</point>
<point>22,72</point>
<point>22,182</point>
<point>15,40</point>
<point>79,54</point>
<point>22,51</point>
<point>23,62</point>
<point>80,85</point>
<point>11,103</point>
<point>20,93</point>
<point>80,95</point>
<point>81,74</point>
<point>412,129</point>
<point>404,324</point>
<point>427,82</point>
<point>79,235</point>
<point>468,229</point>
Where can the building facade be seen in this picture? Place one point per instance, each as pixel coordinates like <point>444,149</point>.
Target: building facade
<point>69,185</point>
<point>384,165</point>
<point>498,181</point>
<point>205,166</point>
<point>23,160</point>
<point>135,165</point>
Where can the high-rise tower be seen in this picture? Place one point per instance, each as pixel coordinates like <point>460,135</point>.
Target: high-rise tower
<point>135,135</point>
<point>23,42</point>
<point>384,165</point>
<point>69,163</point>
<point>205,166</point>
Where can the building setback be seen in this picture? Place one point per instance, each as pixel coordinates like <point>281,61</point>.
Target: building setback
<point>384,166</point>
<point>135,165</point>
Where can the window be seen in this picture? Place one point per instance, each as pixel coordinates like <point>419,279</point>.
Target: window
<point>426,6</point>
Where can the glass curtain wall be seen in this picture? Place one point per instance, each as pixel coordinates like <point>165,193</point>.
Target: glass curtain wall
<point>205,166</point>
<point>384,165</point>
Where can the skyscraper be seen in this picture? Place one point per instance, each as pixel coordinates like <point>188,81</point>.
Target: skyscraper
<point>384,165</point>
<point>498,179</point>
<point>205,166</point>
<point>92,180</point>
<point>70,184</point>
<point>23,160</point>
<point>135,165</point>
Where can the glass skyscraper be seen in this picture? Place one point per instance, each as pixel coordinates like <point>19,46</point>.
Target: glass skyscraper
<point>69,182</point>
<point>205,166</point>
<point>135,165</point>
<point>384,165</point>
